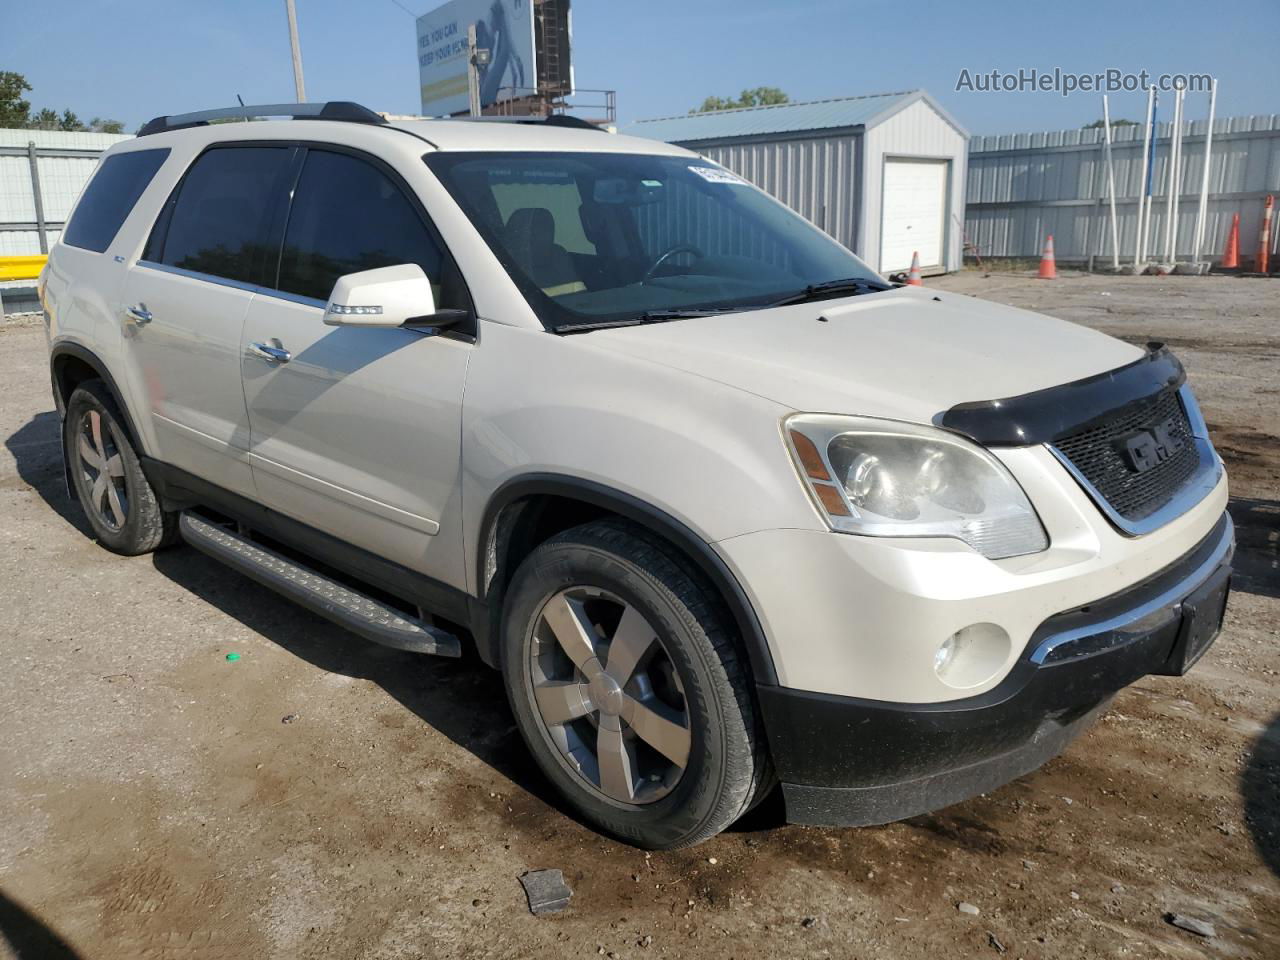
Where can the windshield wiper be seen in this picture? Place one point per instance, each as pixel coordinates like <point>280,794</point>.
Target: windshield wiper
<point>829,288</point>
<point>649,316</point>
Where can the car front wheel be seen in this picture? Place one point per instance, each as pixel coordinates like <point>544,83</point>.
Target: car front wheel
<point>628,683</point>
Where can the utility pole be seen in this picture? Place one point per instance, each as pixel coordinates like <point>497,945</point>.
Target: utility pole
<point>476,58</point>
<point>297,53</point>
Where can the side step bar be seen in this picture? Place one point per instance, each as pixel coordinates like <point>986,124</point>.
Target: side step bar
<point>348,608</point>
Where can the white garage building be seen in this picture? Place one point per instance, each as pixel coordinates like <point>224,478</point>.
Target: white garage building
<point>883,174</point>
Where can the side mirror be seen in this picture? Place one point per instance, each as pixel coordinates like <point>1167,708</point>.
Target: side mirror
<point>386,297</point>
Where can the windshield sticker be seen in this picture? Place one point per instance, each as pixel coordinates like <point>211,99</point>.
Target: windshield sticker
<point>718,175</point>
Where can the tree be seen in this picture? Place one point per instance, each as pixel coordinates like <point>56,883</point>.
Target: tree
<point>1098,124</point>
<point>14,111</point>
<point>43,119</point>
<point>756,97</point>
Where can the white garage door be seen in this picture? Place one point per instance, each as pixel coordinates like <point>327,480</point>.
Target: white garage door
<point>915,213</point>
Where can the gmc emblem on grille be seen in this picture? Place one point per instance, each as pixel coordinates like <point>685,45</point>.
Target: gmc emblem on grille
<point>1150,447</point>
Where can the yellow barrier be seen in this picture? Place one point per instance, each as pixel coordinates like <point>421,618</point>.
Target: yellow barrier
<point>21,268</point>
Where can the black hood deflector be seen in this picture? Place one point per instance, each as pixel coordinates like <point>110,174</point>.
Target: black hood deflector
<point>1043,416</point>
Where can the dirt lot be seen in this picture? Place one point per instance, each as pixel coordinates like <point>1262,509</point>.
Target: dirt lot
<point>156,806</point>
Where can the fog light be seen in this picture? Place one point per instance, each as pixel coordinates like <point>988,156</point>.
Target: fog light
<point>972,655</point>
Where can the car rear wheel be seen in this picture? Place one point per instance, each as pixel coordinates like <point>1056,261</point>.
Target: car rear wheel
<point>629,686</point>
<point>118,501</point>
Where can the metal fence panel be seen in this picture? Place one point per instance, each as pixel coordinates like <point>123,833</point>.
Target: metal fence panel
<point>1024,186</point>
<point>64,162</point>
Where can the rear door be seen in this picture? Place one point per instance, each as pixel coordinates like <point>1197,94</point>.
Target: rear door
<point>915,210</point>
<point>186,300</point>
<point>358,432</point>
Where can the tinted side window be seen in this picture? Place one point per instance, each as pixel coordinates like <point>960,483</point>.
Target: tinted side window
<point>111,194</point>
<point>349,216</point>
<point>220,219</point>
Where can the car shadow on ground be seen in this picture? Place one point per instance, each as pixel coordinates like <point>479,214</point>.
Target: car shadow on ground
<point>461,698</point>
<point>37,455</point>
<point>1260,787</point>
<point>28,936</point>
<point>1257,560</point>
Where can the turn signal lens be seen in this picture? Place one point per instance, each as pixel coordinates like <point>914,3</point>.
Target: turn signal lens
<point>820,482</point>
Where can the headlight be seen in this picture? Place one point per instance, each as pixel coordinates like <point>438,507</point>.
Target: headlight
<point>881,478</point>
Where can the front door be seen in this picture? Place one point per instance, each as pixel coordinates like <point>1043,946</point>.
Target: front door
<point>186,301</point>
<point>357,431</point>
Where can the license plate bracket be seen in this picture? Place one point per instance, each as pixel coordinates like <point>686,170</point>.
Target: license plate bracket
<point>1202,613</point>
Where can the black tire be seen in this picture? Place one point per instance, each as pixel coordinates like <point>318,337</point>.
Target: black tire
<point>126,519</point>
<point>727,765</point>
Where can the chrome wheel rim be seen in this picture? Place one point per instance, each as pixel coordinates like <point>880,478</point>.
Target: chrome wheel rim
<point>608,696</point>
<point>102,470</point>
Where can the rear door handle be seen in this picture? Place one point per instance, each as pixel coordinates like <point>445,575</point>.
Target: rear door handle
<point>138,313</point>
<point>273,352</point>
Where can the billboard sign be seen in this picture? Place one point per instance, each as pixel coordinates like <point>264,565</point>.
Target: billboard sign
<point>503,27</point>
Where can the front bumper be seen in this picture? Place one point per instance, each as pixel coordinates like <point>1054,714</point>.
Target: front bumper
<point>852,761</point>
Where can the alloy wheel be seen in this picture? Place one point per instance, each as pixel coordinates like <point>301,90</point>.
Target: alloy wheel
<point>608,695</point>
<point>102,467</point>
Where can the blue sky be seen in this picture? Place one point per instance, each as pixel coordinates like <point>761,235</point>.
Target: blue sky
<point>133,59</point>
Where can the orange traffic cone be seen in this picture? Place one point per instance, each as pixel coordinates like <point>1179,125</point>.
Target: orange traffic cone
<point>1048,266</point>
<point>1231,252</point>
<point>913,276</point>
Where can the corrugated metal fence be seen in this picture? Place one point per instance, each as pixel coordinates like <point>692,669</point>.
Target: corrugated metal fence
<point>41,174</point>
<point>1026,185</point>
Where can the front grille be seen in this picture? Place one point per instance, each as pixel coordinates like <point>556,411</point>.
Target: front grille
<point>1098,453</point>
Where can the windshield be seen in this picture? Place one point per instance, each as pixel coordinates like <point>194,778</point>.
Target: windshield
<point>592,238</point>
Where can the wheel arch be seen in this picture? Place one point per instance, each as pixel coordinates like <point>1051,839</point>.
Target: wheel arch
<point>70,364</point>
<point>526,510</point>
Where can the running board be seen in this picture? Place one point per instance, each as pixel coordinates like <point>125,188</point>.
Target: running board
<point>348,608</point>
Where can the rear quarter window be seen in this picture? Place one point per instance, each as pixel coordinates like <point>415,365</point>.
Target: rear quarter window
<point>111,194</point>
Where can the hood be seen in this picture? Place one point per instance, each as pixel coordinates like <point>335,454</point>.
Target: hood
<point>904,354</point>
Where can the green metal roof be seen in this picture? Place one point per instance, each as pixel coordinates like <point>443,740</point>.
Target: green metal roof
<point>841,112</point>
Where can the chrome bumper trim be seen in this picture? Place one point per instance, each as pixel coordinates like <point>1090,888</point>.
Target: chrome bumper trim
<point>1143,618</point>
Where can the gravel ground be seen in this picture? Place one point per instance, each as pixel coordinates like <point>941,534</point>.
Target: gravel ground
<point>156,806</point>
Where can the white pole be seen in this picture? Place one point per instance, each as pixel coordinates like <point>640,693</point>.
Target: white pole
<point>297,52</point>
<point>1149,188</point>
<point>1175,140</point>
<point>1139,221</point>
<point>1177,181</point>
<point>1203,212</point>
<point>473,75</point>
<point>1111,185</point>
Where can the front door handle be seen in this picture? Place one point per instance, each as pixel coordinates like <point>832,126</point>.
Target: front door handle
<point>138,313</point>
<point>273,352</point>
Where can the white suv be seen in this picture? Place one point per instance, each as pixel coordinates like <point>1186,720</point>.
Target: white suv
<point>726,508</point>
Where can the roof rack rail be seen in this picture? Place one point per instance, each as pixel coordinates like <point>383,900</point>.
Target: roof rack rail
<point>333,110</point>
<point>568,120</point>
<point>555,120</point>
